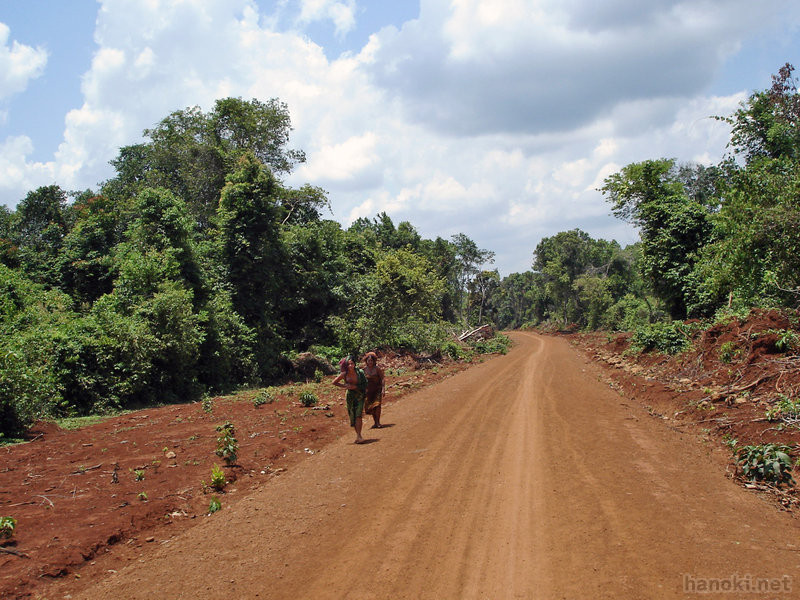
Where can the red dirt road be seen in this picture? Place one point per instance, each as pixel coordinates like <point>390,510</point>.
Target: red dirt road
<point>525,477</point>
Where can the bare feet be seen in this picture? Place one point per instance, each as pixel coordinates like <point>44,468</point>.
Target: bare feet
<point>360,441</point>
<point>377,426</point>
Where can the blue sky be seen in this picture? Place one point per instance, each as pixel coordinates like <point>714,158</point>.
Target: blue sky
<point>496,119</point>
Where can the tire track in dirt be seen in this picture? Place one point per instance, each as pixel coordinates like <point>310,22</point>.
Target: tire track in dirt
<point>523,477</point>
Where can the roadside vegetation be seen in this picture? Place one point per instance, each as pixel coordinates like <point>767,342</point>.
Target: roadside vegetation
<point>195,271</point>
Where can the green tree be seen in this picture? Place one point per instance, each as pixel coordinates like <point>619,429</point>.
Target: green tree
<point>397,304</point>
<point>469,259</point>
<point>766,125</point>
<point>38,229</point>
<point>753,257</point>
<point>672,226</point>
<point>85,262</point>
<point>191,152</point>
<point>250,247</point>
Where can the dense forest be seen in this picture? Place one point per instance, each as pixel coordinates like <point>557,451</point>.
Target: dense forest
<point>195,269</point>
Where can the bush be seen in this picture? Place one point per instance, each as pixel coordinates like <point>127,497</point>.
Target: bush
<point>767,462</point>
<point>662,337</point>
<point>628,313</point>
<point>265,396</point>
<point>499,344</point>
<point>453,350</point>
<point>308,399</point>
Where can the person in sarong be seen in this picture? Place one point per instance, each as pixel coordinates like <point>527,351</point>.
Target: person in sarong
<point>352,379</point>
<point>376,388</point>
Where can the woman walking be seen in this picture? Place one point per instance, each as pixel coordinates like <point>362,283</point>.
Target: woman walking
<point>376,388</point>
<point>354,381</point>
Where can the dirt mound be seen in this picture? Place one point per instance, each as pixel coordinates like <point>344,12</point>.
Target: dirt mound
<point>306,365</point>
<point>75,494</point>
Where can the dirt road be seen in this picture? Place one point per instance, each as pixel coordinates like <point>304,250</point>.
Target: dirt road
<point>525,477</point>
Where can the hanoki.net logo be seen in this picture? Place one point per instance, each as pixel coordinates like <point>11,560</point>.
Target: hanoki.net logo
<point>741,584</point>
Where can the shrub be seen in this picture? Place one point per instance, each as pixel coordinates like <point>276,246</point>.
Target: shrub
<point>626,314</point>
<point>453,350</point>
<point>767,462</point>
<point>498,344</point>
<point>330,353</point>
<point>265,396</point>
<point>308,399</point>
<point>661,336</point>
<point>214,505</point>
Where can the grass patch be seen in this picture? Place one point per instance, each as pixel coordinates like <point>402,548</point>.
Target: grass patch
<point>71,423</point>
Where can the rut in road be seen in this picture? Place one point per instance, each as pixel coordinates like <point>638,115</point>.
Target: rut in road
<point>524,477</point>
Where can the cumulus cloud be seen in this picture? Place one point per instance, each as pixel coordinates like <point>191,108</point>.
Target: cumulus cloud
<point>471,67</point>
<point>341,14</point>
<point>17,175</point>
<point>18,64</point>
<point>496,119</point>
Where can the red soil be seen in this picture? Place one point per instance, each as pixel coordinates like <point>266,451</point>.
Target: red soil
<point>75,494</point>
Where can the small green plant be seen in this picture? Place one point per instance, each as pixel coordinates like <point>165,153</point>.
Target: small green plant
<point>728,352</point>
<point>138,474</point>
<point>227,445</point>
<point>730,441</point>
<point>787,340</point>
<point>214,505</point>
<point>265,396</point>
<point>308,399</point>
<point>8,525</point>
<point>218,481</point>
<point>318,375</point>
<point>208,404</point>
<point>142,496</point>
<point>766,462</point>
<point>785,409</point>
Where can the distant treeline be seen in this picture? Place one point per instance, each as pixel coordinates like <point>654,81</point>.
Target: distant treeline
<point>196,270</point>
<point>717,237</point>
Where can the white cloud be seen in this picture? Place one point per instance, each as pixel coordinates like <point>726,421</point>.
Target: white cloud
<point>497,119</point>
<point>17,175</point>
<point>344,161</point>
<point>341,14</point>
<point>18,64</point>
<point>472,67</point>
